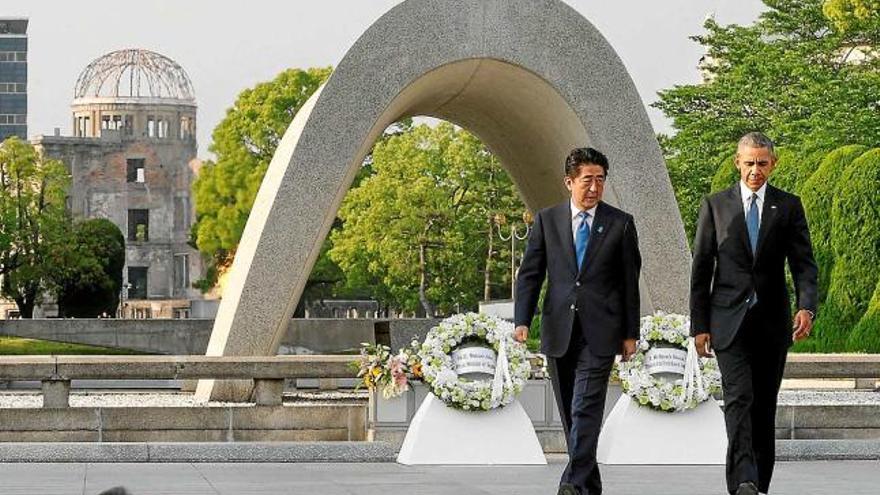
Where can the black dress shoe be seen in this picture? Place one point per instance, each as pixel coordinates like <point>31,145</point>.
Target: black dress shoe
<point>747,488</point>
<point>568,489</point>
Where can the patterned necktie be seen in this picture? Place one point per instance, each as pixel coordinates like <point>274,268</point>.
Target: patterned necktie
<point>753,223</point>
<point>582,238</point>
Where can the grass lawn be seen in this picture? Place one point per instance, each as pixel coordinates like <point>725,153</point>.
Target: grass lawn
<point>15,346</point>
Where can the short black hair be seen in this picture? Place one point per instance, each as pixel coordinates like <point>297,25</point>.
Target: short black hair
<point>584,156</point>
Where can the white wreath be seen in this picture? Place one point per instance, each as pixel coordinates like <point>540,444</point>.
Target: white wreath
<point>511,371</point>
<point>701,379</point>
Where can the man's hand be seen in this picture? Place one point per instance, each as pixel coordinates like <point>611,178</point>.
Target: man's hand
<point>521,333</point>
<point>629,348</point>
<point>703,342</point>
<point>802,325</point>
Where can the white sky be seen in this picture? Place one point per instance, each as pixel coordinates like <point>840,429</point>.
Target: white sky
<point>227,46</point>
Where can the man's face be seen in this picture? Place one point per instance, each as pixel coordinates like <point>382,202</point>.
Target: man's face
<point>755,166</point>
<point>587,188</point>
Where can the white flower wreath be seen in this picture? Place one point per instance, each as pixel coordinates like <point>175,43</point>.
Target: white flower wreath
<point>658,393</point>
<point>474,395</point>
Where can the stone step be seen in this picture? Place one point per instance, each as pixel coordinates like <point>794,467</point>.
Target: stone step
<point>197,452</point>
<point>290,452</point>
<point>828,421</point>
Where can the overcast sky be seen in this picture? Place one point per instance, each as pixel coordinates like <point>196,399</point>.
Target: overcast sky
<point>227,46</point>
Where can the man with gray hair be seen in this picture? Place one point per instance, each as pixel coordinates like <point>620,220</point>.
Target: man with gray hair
<point>740,305</point>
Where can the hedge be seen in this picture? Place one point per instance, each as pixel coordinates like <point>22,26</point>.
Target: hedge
<point>865,337</point>
<point>817,194</point>
<point>855,240</point>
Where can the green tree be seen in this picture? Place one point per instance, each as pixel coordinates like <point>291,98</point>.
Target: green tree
<point>419,227</point>
<point>32,218</point>
<point>792,74</point>
<point>244,142</point>
<point>85,269</point>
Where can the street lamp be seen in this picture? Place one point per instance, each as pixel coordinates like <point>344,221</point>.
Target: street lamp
<point>513,236</point>
<point>123,296</point>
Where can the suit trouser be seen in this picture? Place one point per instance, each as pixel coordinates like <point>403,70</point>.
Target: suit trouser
<point>751,373</point>
<point>580,382</point>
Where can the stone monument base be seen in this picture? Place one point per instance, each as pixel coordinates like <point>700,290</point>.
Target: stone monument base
<point>635,434</point>
<point>439,434</point>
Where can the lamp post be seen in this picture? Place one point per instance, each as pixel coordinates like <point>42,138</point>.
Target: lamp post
<point>514,235</point>
<point>123,296</point>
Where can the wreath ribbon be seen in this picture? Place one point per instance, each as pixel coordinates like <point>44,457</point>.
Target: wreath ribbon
<point>693,377</point>
<point>502,371</point>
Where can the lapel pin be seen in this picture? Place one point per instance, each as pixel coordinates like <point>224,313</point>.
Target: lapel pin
<point>599,229</point>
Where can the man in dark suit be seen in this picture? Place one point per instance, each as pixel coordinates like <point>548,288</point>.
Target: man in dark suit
<point>740,305</point>
<point>589,253</point>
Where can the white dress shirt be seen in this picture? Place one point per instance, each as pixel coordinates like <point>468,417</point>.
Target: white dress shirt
<point>576,219</point>
<point>746,195</point>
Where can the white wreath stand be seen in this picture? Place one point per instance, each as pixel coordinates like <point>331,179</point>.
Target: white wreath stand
<point>439,434</point>
<point>635,434</point>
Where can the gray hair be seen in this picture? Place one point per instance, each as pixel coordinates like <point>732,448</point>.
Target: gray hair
<point>756,140</point>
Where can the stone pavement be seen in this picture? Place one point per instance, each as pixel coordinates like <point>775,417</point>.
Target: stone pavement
<point>793,478</point>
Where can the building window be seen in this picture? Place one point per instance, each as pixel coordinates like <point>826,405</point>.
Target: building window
<point>7,56</point>
<point>135,170</point>
<point>162,128</point>
<point>111,122</point>
<point>13,119</point>
<point>181,271</point>
<point>128,126</point>
<point>137,280</point>
<point>13,87</point>
<point>151,126</point>
<point>82,126</point>
<point>139,225</point>
<point>186,128</point>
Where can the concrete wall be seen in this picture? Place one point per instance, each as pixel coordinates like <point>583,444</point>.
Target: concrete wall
<point>190,336</point>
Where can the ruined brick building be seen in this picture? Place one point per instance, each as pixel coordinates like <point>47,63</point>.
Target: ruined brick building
<point>132,160</point>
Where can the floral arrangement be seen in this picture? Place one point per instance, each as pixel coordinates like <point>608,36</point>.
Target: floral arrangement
<point>461,393</point>
<point>658,393</point>
<point>379,369</point>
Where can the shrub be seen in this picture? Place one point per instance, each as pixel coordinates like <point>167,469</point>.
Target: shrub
<point>865,337</point>
<point>817,194</point>
<point>855,240</point>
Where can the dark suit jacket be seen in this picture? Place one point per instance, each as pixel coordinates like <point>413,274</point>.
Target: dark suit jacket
<point>726,274</point>
<point>605,293</point>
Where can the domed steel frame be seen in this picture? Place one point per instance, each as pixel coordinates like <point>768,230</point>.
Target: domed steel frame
<point>134,73</point>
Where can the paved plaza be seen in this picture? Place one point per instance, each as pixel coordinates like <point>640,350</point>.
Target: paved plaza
<point>793,478</point>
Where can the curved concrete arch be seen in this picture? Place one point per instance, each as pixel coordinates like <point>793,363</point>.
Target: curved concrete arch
<point>533,79</point>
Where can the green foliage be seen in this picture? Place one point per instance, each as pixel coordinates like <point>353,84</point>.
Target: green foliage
<point>726,174</point>
<point>793,169</point>
<point>244,142</point>
<point>15,346</point>
<point>418,229</point>
<point>817,194</point>
<point>848,16</point>
<point>693,180</point>
<point>791,75</point>
<point>865,337</point>
<point>85,269</point>
<point>32,220</point>
<point>855,239</point>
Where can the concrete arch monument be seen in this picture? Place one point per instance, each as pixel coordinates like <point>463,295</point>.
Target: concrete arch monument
<point>533,79</point>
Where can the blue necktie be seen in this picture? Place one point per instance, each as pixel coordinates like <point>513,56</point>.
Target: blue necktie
<point>582,238</point>
<point>753,223</point>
